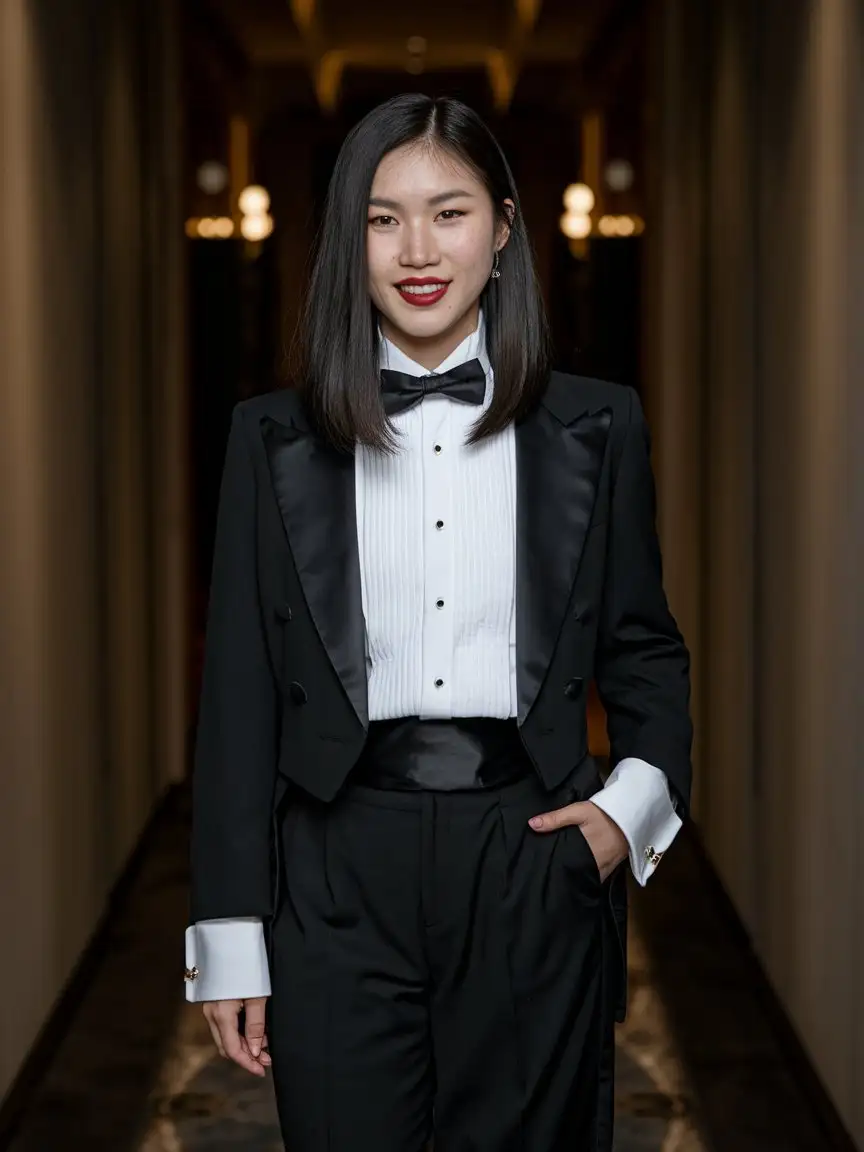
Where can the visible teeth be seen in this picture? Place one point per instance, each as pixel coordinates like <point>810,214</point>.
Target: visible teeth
<point>420,289</point>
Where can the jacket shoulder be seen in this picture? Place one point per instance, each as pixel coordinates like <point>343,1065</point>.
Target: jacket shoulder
<point>280,403</point>
<point>569,394</point>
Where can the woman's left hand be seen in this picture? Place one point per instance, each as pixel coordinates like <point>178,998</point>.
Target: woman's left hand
<point>605,839</point>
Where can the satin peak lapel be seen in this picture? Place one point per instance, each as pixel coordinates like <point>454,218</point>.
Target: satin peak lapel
<point>314,488</point>
<point>559,459</point>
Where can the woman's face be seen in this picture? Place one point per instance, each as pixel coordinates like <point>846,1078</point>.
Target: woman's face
<point>431,237</point>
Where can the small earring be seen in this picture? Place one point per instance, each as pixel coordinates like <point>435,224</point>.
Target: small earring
<point>495,273</point>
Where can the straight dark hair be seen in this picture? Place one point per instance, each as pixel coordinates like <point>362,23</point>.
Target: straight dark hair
<point>338,365</point>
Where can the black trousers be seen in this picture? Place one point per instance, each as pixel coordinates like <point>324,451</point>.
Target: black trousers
<point>439,968</point>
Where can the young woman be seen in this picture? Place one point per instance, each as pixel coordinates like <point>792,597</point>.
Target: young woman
<point>404,861</point>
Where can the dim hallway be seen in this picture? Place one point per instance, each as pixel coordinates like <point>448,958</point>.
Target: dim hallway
<point>692,177</point>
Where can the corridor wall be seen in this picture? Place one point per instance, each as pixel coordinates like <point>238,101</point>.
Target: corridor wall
<point>92,498</point>
<point>755,367</point>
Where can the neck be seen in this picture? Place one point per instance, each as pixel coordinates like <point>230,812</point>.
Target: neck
<point>430,351</point>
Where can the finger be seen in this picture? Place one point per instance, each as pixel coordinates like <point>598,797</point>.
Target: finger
<point>255,1021</point>
<point>225,1015</point>
<point>264,1060</point>
<point>238,1051</point>
<point>214,1032</point>
<point>557,818</point>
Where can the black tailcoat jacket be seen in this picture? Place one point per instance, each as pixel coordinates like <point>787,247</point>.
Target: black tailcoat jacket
<point>284,695</point>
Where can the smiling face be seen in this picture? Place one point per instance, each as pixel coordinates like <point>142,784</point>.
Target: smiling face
<point>431,238</point>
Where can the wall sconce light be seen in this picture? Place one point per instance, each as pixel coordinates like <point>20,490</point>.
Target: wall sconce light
<point>575,225</point>
<point>619,175</point>
<point>255,228</point>
<point>578,225</point>
<point>579,199</point>
<point>255,222</point>
<point>212,177</point>
<point>254,200</point>
<point>210,228</point>
<point>620,226</point>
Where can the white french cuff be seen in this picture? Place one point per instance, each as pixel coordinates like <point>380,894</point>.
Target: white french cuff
<point>636,796</point>
<point>226,959</point>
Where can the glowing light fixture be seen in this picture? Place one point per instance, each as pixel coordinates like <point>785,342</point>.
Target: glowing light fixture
<point>255,221</point>
<point>620,225</point>
<point>210,227</point>
<point>212,177</point>
<point>253,200</point>
<point>257,227</point>
<point>575,225</point>
<point>619,175</point>
<point>578,199</point>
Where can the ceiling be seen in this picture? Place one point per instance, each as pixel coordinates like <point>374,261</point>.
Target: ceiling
<point>557,50</point>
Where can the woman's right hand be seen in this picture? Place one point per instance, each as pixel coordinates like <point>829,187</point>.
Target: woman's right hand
<point>249,1050</point>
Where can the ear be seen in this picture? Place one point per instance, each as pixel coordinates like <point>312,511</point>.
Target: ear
<point>505,223</point>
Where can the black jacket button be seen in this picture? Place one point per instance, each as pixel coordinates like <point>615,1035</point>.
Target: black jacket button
<point>283,611</point>
<point>298,692</point>
<point>573,688</point>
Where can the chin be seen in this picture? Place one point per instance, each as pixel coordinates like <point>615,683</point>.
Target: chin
<point>423,326</point>
<point>424,323</point>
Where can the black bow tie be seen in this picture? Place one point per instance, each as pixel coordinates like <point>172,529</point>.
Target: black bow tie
<point>400,390</point>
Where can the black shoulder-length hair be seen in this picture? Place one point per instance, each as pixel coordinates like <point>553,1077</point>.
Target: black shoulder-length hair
<point>338,365</point>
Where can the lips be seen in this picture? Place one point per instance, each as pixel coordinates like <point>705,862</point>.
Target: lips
<point>422,292</point>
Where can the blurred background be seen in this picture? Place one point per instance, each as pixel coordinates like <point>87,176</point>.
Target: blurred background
<point>692,174</point>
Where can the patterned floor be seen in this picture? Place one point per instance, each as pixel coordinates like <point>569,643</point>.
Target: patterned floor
<point>702,1065</point>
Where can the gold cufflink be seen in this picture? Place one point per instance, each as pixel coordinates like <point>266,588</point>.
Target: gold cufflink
<point>651,856</point>
<point>191,974</point>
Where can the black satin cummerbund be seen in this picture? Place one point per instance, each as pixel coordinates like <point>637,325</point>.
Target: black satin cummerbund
<point>411,754</point>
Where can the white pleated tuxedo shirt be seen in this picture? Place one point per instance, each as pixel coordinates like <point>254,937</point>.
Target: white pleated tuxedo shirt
<point>436,529</point>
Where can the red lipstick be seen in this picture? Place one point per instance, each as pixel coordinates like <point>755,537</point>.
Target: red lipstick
<point>422,299</point>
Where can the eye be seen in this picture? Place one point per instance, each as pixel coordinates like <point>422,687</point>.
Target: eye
<point>451,214</point>
<point>382,221</point>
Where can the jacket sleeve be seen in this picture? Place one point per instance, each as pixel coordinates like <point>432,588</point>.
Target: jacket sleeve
<point>235,747</point>
<point>642,663</point>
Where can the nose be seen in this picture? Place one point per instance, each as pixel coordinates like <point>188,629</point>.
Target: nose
<point>419,249</point>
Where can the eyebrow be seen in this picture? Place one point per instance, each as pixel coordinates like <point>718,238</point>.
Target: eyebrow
<point>380,202</point>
